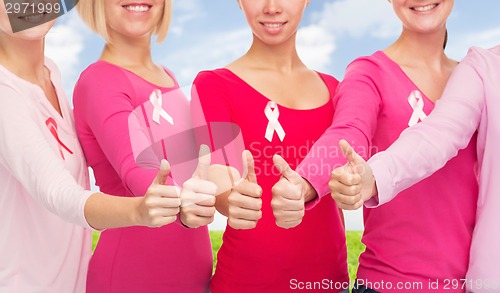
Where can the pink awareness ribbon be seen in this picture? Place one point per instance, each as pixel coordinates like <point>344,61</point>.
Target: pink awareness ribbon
<point>272,114</point>
<point>156,100</point>
<point>417,104</point>
<point>52,126</point>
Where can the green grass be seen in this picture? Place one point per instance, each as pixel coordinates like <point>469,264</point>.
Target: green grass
<point>354,247</point>
<point>95,238</point>
<point>216,238</point>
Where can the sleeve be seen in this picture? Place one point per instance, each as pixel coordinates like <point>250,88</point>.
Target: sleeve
<point>29,157</point>
<point>356,107</point>
<point>103,101</point>
<point>211,108</point>
<point>426,147</point>
<point>212,97</point>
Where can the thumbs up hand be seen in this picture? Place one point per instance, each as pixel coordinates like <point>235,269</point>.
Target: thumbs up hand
<point>245,201</point>
<point>352,184</point>
<point>198,194</point>
<point>288,201</point>
<point>160,205</point>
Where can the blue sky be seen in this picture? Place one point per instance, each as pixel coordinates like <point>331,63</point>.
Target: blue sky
<point>207,34</point>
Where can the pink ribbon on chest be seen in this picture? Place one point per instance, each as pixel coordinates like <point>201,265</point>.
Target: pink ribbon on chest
<point>52,126</point>
<point>417,104</point>
<point>272,114</point>
<point>156,100</point>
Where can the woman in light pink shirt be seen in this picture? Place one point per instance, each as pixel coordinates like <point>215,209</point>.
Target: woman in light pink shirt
<point>46,209</point>
<point>115,100</point>
<point>470,103</point>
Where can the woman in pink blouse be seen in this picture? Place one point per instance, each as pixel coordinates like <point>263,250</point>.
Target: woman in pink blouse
<point>408,242</point>
<point>46,209</point>
<point>468,104</point>
<point>123,102</point>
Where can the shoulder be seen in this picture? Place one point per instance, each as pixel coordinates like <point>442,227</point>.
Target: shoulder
<point>494,51</point>
<point>101,83</point>
<point>9,92</point>
<point>213,87</point>
<point>216,75</point>
<point>330,81</point>
<point>7,81</point>
<point>103,76</point>
<point>371,64</point>
<point>376,70</point>
<point>15,101</point>
<point>218,80</point>
<point>101,71</point>
<point>170,72</point>
<point>12,89</point>
<point>479,57</point>
<point>484,62</point>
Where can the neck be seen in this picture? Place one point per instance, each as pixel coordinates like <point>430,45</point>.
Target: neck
<point>24,58</point>
<point>128,52</point>
<point>282,57</point>
<point>415,49</point>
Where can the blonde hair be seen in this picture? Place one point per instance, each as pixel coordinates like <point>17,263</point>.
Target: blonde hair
<point>92,13</point>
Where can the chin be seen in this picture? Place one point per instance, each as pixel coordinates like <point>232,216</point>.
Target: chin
<point>136,31</point>
<point>279,42</point>
<point>35,33</point>
<point>134,35</point>
<point>271,41</point>
<point>29,35</point>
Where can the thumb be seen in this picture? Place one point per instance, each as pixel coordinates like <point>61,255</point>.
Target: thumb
<point>204,159</point>
<point>285,170</point>
<point>249,167</point>
<point>161,177</point>
<point>352,157</point>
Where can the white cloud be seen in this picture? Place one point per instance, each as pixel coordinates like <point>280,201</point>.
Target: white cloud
<point>359,18</point>
<point>208,52</point>
<point>64,44</point>
<point>317,42</point>
<point>459,45</point>
<point>315,46</point>
<point>185,11</point>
